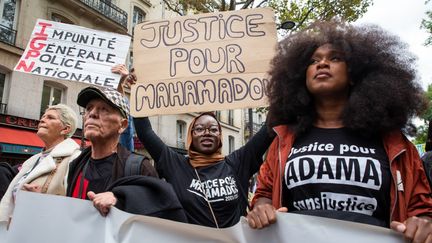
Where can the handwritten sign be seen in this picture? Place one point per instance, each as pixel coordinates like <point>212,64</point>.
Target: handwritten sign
<point>74,53</point>
<point>203,62</point>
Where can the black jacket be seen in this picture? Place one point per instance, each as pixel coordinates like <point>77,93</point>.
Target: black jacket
<point>7,173</point>
<point>147,196</point>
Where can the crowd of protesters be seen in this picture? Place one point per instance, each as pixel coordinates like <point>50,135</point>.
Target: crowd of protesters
<point>340,97</point>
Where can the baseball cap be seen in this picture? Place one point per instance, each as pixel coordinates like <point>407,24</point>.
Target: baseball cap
<point>111,96</point>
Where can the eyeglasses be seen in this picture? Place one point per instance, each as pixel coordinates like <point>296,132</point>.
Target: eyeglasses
<point>198,131</point>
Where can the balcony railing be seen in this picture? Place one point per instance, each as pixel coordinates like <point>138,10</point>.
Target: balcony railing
<point>7,35</point>
<point>109,10</point>
<point>3,108</point>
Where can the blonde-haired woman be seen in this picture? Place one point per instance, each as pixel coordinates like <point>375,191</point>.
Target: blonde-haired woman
<point>46,171</point>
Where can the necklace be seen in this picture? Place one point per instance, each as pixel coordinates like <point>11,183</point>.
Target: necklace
<point>208,202</point>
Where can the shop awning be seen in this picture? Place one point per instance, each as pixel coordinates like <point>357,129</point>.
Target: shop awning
<point>20,136</point>
<point>24,137</point>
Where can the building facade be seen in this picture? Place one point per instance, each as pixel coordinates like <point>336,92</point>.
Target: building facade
<point>24,97</point>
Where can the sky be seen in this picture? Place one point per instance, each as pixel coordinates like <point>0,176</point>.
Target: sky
<point>403,18</point>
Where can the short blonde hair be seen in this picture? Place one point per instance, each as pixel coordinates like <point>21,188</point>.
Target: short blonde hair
<point>67,116</point>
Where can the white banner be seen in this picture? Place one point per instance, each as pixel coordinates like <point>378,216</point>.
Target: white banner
<point>54,219</point>
<point>74,53</point>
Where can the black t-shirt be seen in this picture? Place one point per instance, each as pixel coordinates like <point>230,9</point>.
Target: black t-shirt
<point>217,183</point>
<point>225,183</point>
<point>336,173</point>
<point>99,173</point>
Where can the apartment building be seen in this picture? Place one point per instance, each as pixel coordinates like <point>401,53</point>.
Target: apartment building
<point>24,97</point>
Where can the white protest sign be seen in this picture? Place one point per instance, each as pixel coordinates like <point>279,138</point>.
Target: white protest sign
<point>203,62</point>
<point>75,53</point>
<point>52,219</point>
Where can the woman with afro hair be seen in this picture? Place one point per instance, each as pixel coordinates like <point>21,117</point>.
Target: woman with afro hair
<point>340,96</point>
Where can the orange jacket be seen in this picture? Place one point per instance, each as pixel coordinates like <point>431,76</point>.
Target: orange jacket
<point>410,194</point>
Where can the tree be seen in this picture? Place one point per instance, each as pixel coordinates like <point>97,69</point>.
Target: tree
<point>305,12</point>
<point>427,116</point>
<point>299,11</point>
<point>422,130</point>
<point>427,24</point>
<point>421,136</point>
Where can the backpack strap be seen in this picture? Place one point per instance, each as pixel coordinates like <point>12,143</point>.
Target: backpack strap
<point>133,164</point>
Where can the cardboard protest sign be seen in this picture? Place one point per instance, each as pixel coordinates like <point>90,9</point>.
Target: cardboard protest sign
<point>74,53</point>
<point>203,62</point>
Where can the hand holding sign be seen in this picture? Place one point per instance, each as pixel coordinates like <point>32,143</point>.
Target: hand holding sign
<point>127,78</point>
<point>263,214</point>
<point>415,229</point>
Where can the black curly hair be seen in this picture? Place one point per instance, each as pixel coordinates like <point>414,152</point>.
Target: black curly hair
<point>385,94</point>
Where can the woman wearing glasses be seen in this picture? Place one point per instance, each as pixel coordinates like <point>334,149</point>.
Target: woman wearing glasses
<point>211,187</point>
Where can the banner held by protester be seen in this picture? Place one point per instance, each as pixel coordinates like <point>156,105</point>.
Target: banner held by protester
<point>41,213</point>
<point>75,53</point>
<point>203,62</point>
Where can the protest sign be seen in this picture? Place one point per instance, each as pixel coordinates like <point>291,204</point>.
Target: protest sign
<point>75,53</point>
<point>52,219</point>
<point>204,62</point>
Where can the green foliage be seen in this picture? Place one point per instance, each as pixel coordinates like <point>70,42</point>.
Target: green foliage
<point>427,116</point>
<point>422,130</point>
<point>200,6</point>
<point>183,7</point>
<point>427,24</point>
<point>304,12</point>
<point>421,137</point>
<point>261,110</point>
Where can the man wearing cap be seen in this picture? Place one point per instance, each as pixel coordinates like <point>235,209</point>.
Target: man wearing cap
<point>102,163</point>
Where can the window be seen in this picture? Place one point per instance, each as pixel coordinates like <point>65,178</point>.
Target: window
<point>2,85</point>
<point>137,17</point>
<point>58,18</point>
<point>130,60</point>
<point>181,134</point>
<point>8,20</point>
<point>218,115</point>
<point>260,119</point>
<point>9,13</point>
<point>231,117</point>
<point>230,144</point>
<point>50,96</point>
<point>3,105</point>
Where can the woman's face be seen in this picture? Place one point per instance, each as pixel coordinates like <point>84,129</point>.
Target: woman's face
<point>327,74</point>
<point>206,135</point>
<point>50,127</point>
